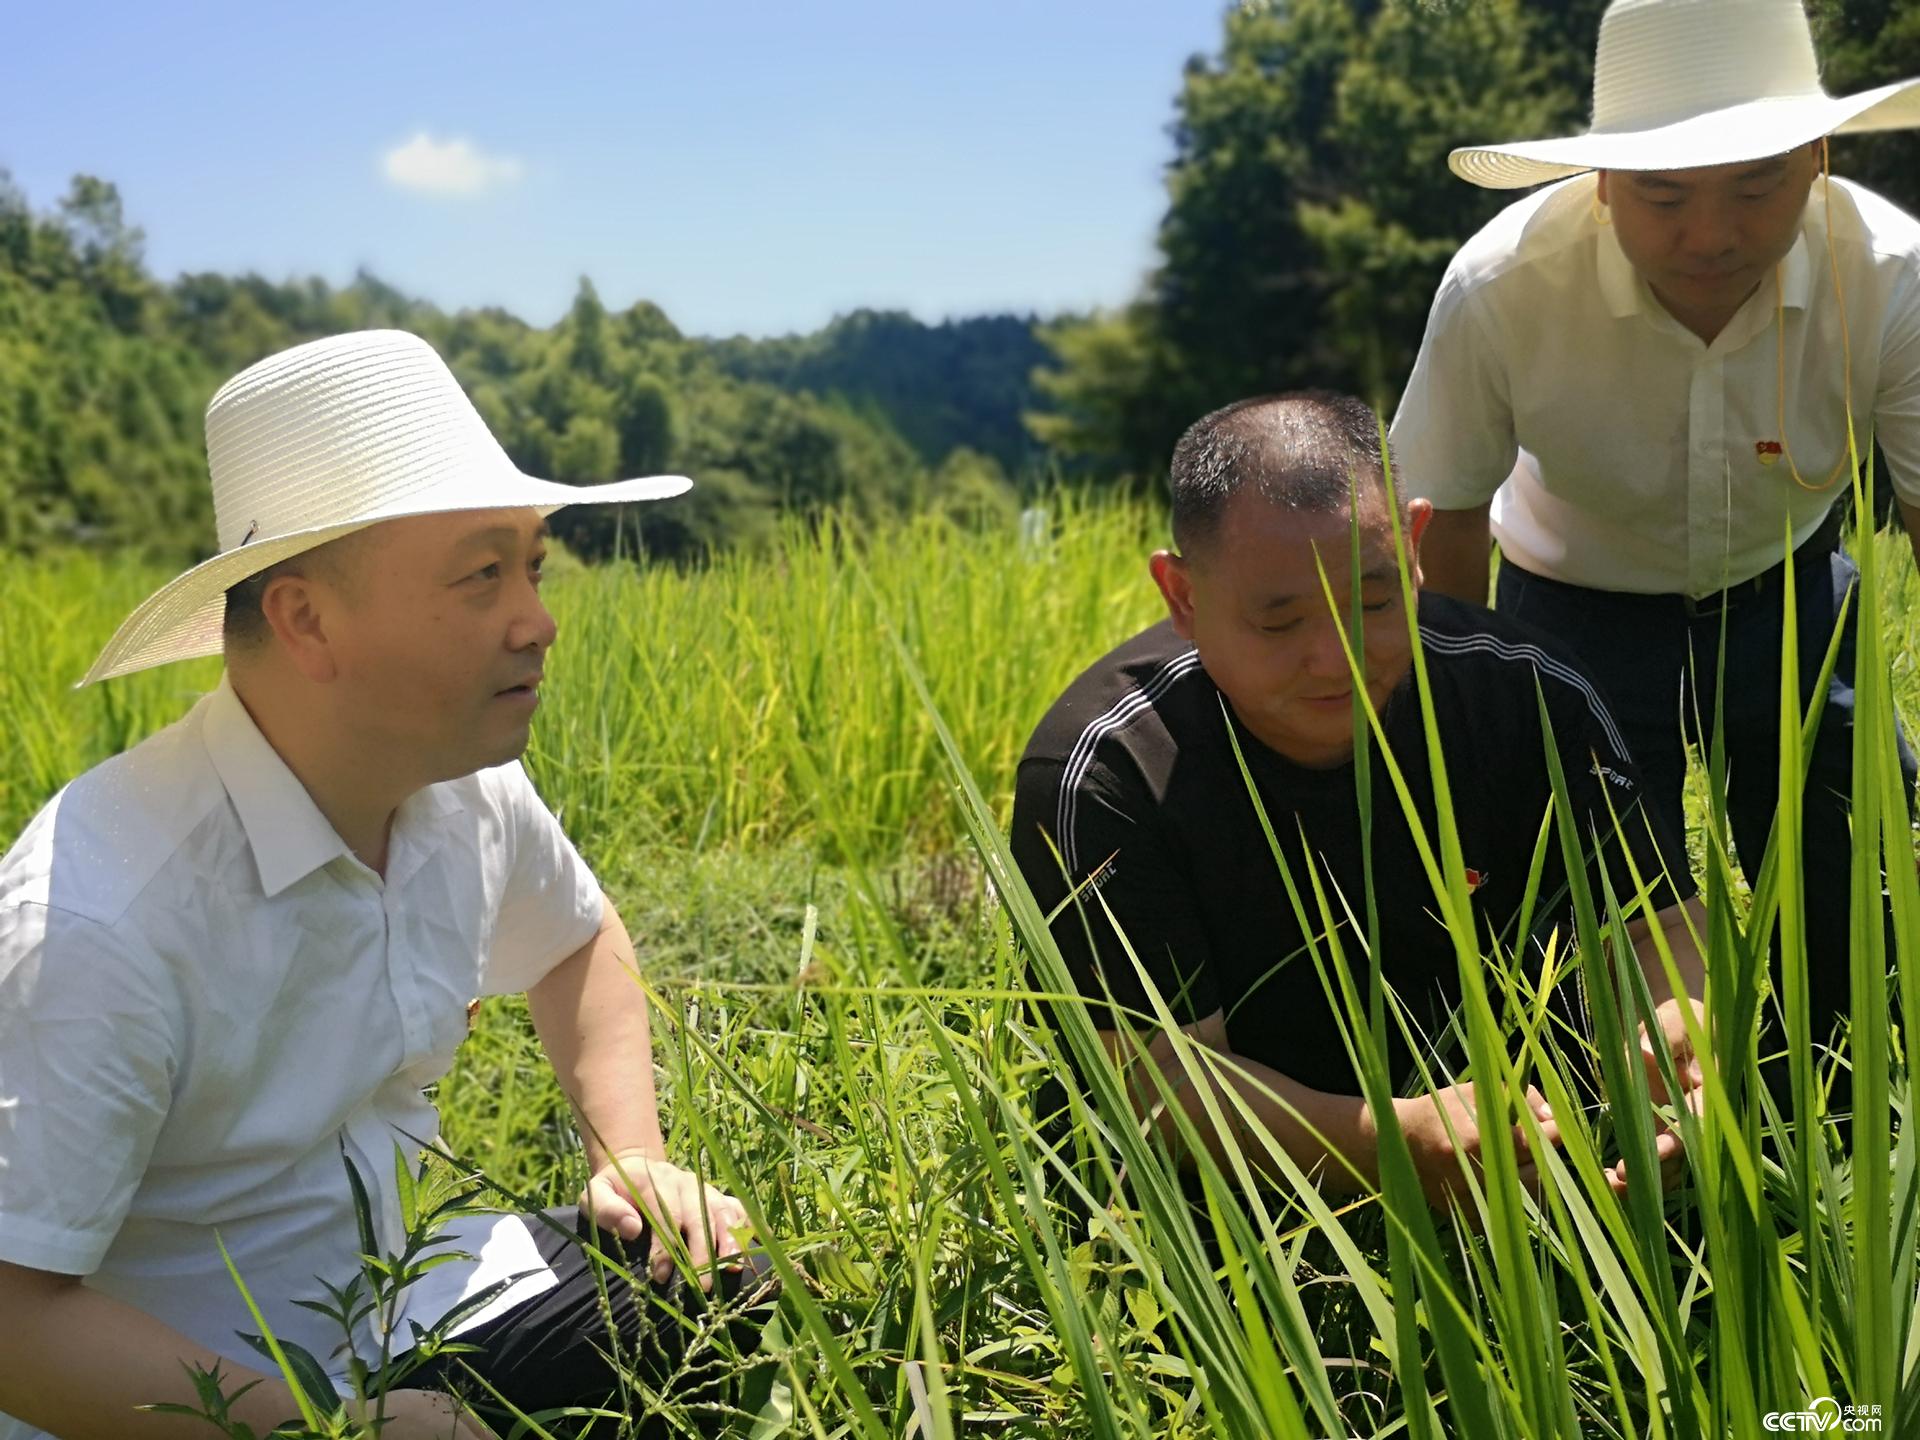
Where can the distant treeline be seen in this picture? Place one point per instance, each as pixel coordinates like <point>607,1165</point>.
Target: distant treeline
<point>105,373</point>
<point>1310,214</point>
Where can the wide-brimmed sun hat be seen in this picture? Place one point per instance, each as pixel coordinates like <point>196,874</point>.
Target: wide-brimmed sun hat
<point>1679,84</point>
<point>320,441</point>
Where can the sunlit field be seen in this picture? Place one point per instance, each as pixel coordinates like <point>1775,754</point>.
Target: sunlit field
<point>792,771</point>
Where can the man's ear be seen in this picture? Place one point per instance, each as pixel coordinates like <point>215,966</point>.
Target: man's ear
<point>1600,187</point>
<point>296,609</point>
<point>1419,516</point>
<point>1174,576</point>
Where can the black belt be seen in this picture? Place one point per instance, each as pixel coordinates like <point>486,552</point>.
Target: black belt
<point>1818,546</point>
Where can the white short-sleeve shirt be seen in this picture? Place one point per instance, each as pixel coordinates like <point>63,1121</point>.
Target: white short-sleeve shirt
<point>1621,452</point>
<point>204,997</point>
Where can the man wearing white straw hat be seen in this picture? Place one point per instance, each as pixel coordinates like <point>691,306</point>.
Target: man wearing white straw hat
<point>232,957</point>
<point>1639,380</point>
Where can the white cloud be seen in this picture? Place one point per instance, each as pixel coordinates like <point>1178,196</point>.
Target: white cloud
<point>447,167</point>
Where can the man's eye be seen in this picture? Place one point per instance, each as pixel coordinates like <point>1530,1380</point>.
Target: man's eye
<point>489,572</point>
<point>1377,606</point>
<point>1282,628</point>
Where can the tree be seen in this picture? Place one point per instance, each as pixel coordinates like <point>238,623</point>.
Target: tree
<point>962,382</point>
<point>94,221</point>
<point>110,250</point>
<point>645,422</point>
<point>585,334</point>
<point>1866,43</point>
<point>1098,396</point>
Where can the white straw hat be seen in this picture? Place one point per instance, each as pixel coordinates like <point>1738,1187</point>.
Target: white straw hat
<point>322,440</point>
<point>1679,84</point>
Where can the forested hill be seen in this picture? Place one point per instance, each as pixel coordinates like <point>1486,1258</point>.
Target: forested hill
<point>105,373</point>
<point>960,383</point>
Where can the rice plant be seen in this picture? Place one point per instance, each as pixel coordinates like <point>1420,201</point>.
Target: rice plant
<point>793,773</point>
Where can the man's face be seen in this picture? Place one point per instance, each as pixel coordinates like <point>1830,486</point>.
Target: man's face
<point>1703,239</point>
<point>1251,601</point>
<point>440,635</point>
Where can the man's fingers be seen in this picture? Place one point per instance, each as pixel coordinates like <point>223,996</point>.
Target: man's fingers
<point>1549,1132</point>
<point>1686,1064</point>
<point>620,1217</point>
<point>729,1217</point>
<point>1672,1170</point>
<point>1668,1152</point>
<point>1650,1062</point>
<point>723,1216</point>
<point>1671,1153</point>
<point>694,1224</point>
<point>611,1210</point>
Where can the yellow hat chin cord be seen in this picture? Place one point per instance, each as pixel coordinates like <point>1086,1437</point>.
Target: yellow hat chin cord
<point>1846,344</point>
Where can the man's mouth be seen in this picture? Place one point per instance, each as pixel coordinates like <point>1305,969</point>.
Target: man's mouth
<point>528,686</point>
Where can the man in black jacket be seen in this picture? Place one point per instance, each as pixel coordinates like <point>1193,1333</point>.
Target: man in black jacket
<point>1131,787</point>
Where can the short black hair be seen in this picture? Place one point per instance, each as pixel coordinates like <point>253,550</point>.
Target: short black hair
<point>1302,450</point>
<point>244,624</point>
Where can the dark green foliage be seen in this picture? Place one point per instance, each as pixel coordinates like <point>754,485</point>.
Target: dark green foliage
<point>99,405</point>
<point>105,373</point>
<point>1864,43</point>
<point>962,382</point>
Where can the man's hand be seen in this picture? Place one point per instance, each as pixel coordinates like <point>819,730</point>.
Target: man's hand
<point>1687,1069</point>
<point>426,1415</point>
<point>636,1190</point>
<point>1424,1120</point>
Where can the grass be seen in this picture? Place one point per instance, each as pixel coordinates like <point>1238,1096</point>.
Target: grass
<point>793,774</point>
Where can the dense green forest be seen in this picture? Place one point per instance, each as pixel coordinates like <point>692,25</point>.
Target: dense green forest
<point>964,384</point>
<point>104,372</point>
<point>1309,216</point>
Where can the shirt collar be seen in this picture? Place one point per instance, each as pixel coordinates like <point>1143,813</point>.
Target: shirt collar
<point>289,836</point>
<point>1620,283</point>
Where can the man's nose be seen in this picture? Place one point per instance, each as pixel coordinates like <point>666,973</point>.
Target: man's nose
<point>536,627</point>
<point>1326,656</point>
<point>1711,231</point>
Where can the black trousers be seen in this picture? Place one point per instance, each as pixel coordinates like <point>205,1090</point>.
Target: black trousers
<point>578,1343</point>
<point>1656,659</point>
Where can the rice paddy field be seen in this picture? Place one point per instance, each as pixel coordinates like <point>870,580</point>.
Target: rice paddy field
<point>793,771</point>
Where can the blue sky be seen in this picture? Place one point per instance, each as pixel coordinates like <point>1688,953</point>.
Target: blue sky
<point>750,166</point>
